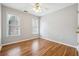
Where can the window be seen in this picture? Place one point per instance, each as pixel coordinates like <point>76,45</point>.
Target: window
<point>13,25</point>
<point>35,26</point>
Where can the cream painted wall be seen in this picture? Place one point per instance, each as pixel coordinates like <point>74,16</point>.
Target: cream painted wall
<point>0,26</point>
<point>61,25</point>
<point>26,25</point>
<point>78,23</point>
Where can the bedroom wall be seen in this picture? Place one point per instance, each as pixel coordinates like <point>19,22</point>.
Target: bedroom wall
<point>78,29</point>
<point>60,26</point>
<point>26,25</point>
<point>0,26</point>
<point>0,23</point>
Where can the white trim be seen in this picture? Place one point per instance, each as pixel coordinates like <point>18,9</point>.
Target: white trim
<point>58,42</point>
<point>18,41</point>
<point>42,38</point>
<point>7,25</point>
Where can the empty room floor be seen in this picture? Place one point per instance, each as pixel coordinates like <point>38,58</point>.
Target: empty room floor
<point>38,47</point>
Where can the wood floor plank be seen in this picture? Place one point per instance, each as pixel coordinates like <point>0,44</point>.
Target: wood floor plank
<point>38,47</point>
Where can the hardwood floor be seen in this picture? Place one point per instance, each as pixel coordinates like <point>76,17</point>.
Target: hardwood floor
<point>38,47</point>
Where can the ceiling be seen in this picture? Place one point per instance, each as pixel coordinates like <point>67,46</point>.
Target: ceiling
<point>45,7</point>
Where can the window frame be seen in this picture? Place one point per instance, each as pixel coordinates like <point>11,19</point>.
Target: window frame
<point>8,15</point>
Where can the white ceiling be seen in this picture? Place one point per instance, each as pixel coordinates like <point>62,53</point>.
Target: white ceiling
<point>45,7</point>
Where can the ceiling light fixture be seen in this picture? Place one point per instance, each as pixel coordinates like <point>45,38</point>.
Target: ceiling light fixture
<point>37,7</point>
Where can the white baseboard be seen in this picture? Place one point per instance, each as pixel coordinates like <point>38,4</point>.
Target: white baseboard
<point>58,42</point>
<point>42,38</point>
<point>19,41</point>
